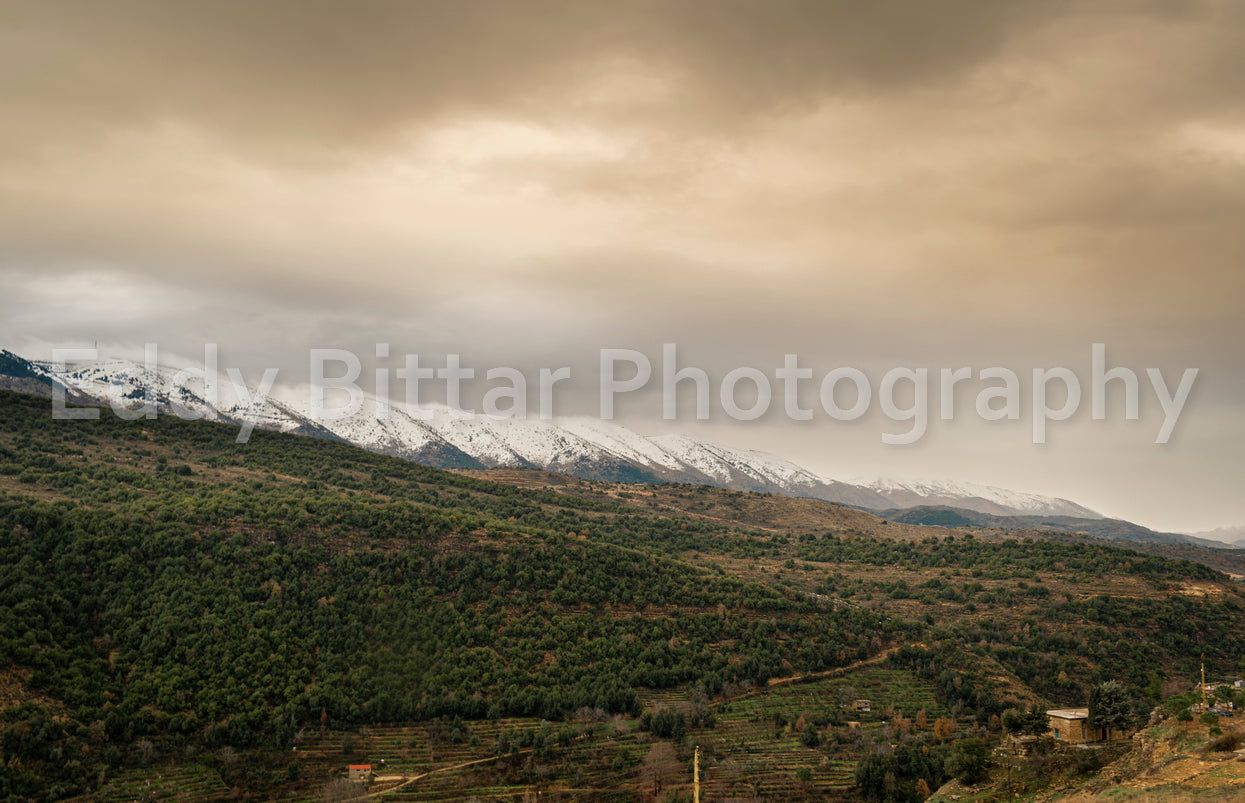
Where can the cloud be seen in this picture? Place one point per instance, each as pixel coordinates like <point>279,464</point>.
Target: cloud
<point>315,74</point>
<point>864,183</point>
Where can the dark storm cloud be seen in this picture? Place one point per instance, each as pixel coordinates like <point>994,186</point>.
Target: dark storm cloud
<point>525,182</point>
<point>325,76</point>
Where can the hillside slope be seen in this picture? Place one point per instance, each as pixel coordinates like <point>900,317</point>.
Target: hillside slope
<point>165,591</point>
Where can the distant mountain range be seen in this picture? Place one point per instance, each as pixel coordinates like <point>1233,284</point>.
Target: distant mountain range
<point>582,447</point>
<point>1111,529</point>
<point>1234,536</point>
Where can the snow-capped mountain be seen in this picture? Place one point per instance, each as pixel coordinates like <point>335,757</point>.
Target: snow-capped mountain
<point>726,466</point>
<point>981,498</point>
<point>126,385</point>
<point>571,446</point>
<point>748,470</point>
<point>587,448</point>
<point>583,447</point>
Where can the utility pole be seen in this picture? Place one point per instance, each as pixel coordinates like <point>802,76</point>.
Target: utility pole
<point>1204,708</point>
<point>696,776</point>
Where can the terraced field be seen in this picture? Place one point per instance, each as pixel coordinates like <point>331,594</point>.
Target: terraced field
<point>191,784</point>
<point>754,749</point>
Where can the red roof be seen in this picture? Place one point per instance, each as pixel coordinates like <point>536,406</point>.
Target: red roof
<point>360,766</point>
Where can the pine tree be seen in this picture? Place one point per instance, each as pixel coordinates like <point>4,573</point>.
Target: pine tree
<point>1110,707</point>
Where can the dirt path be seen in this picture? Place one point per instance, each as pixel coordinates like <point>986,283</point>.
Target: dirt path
<point>414,778</point>
<point>841,670</point>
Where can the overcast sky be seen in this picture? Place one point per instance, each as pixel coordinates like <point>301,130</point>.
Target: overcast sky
<point>525,183</point>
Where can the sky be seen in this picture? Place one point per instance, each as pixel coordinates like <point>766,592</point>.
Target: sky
<point>865,185</point>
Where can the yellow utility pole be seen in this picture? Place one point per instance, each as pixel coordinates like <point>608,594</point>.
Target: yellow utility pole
<point>696,776</point>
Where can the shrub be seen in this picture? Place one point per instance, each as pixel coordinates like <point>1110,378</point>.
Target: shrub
<point>665,723</point>
<point>968,760</point>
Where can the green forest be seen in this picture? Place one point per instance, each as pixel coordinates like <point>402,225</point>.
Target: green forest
<point>165,590</point>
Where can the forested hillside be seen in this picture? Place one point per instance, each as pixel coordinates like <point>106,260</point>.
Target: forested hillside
<point>166,593</point>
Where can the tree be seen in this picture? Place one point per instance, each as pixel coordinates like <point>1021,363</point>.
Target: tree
<point>145,751</point>
<point>968,760</point>
<point>661,766</point>
<point>1154,688</point>
<point>914,763</point>
<point>1036,723</point>
<point>1033,722</point>
<point>1110,707</point>
<point>875,773</point>
<point>944,728</point>
<point>665,723</point>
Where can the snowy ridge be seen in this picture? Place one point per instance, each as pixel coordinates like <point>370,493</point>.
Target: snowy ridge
<point>126,385</point>
<point>604,450</point>
<point>582,447</point>
<point>982,498</point>
<point>622,442</point>
<point>393,432</point>
<point>512,442</point>
<point>723,464</point>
